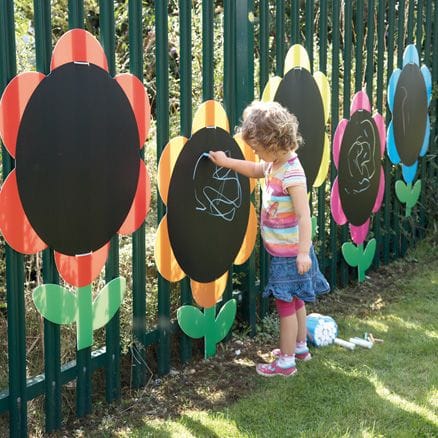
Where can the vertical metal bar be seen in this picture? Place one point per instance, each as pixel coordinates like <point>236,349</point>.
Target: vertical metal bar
<point>295,21</point>
<point>334,121</point>
<point>75,14</point>
<point>323,11</point>
<point>410,33</point>
<point>207,50</point>
<point>244,95</point>
<point>359,26</point>
<point>423,161</point>
<point>264,69</point>
<point>162,112</point>
<point>396,216</point>
<point>347,97</point>
<point>112,334</point>
<point>379,105</point>
<point>52,348</point>
<point>14,261</point>
<point>370,50</point>
<point>139,371</point>
<point>279,36</point>
<point>185,74</point>
<point>309,31</point>
<point>230,61</point>
<point>388,166</point>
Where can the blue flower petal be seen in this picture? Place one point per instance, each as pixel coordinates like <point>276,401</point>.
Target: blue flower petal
<point>390,145</point>
<point>428,81</point>
<point>392,86</point>
<point>410,55</point>
<point>426,138</point>
<point>409,172</point>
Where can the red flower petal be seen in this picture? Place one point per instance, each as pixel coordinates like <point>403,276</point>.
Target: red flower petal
<point>359,233</point>
<point>12,106</point>
<point>78,45</point>
<point>336,205</point>
<point>380,193</point>
<point>81,270</point>
<point>136,93</point>
<point>141,203</point>
<point>14,223</point>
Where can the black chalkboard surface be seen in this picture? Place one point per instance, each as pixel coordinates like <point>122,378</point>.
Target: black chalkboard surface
<point>410,113</point>
<point>359,167</point>
<point>207,207</point>
<point>77,158</point>
<point>299,93</point>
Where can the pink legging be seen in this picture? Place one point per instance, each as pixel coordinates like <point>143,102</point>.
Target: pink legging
<point>286,308</point>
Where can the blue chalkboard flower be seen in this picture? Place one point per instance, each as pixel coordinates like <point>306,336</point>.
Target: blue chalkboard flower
<point>409,96</point>
<point>358,148</point>
<point>210,222</point>
<point>75,135</point>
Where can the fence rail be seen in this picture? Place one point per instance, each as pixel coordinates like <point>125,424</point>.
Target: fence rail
<point>357,44</point>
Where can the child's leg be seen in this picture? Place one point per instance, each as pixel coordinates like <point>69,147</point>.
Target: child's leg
<point>301,319</point>
<point>301,350</point>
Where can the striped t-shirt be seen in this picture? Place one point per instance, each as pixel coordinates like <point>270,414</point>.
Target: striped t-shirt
<point>278,222</point>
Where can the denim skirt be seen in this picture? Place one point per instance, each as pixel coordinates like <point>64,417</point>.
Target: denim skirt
<point>285,282</point>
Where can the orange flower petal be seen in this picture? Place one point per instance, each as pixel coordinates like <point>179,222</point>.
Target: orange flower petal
<point>250,238</point>
<point>165,259</point>
<point>12,106</point>
<point>208,294</point>
<point>139,100</point>
<point>168,158</point>
<point>210,114</point>
<point>78,45</point>
<point>140,204</point>
<point>81,270</point>
<point>14,224</point>
<point>249,155</point>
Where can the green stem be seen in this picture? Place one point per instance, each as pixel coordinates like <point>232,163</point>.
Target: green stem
<point>209,340</point>
<point>360,270</point>
<point>408,206</point>
<point>84,324</point>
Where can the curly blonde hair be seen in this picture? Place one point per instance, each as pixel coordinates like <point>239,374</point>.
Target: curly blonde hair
<point>271,126</point>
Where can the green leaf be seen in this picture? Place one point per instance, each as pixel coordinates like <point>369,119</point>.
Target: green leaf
<point>351,253</point>
<point>368,254</point>
<point>224,320</point>
<point>108,302</point>
<point>402,191</point>
<point>192,321</point>
<point>56,303</point>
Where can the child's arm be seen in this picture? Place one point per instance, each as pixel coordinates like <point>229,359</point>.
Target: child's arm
<point>247,168</point>
<point>301,205</point>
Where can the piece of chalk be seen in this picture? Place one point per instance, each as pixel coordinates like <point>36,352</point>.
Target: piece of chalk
<point>206,155</point>
<point>345,344</point>
<point>361,342</point>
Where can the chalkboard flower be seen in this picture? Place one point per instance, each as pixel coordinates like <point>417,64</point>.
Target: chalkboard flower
<point>409,96</point>
<point>75,135</point>
<point>358,148</point>
<point>308,97</point>
<point>210,221</point>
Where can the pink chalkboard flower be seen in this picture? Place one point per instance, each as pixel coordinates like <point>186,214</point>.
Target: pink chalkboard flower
<point>75,135</point>
<point>358,148</point>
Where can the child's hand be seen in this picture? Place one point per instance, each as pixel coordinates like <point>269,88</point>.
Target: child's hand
<point>219,158</point>
<point>303,263</point>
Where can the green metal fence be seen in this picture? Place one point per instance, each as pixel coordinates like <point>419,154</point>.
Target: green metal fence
<point>355,43</point>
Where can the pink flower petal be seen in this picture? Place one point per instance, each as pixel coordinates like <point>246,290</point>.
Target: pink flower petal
<point>336,205</point>
<point>360,102</point>
<point>380,123</point>
<point>359,234</point>
<point>381,192</point>
<point>337,140</point>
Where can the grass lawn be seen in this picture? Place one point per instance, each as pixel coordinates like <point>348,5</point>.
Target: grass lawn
<point>390,390</point>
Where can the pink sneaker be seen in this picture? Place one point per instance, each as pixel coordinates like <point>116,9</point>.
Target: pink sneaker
<point>272,369</point>
<point>300,356</point>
